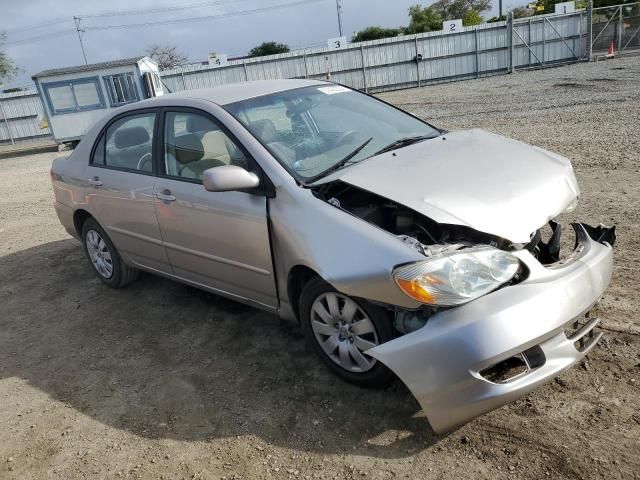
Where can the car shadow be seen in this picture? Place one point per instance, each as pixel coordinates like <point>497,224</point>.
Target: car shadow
<point>163,360</point>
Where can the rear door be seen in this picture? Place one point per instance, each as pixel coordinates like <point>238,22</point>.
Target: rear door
<point>221,239</point>
<point>120,188</point>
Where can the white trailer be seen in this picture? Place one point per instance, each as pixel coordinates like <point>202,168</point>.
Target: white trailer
<point>74,98</point>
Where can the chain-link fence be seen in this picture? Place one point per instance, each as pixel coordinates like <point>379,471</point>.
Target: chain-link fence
<point>616,29</point>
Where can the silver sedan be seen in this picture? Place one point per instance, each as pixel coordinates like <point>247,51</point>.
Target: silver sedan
<point>402,250</point>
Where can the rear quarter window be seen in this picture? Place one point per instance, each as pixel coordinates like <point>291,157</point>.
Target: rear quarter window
<point>98,152</point>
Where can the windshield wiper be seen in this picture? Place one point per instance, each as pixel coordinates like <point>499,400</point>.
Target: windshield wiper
<point>339,164</point>
<point>403,142</point>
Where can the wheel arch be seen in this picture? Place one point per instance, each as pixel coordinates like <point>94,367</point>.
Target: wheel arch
<point>298,277</point>
<point>79,217</point>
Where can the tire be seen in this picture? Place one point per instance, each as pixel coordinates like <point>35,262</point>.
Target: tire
<point>104,258</point>
<point>331,338</point>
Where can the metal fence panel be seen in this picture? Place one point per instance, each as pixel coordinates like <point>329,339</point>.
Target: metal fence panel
<point>20,114</point>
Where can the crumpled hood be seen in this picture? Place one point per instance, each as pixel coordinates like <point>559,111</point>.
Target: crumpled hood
<point>475,178</point>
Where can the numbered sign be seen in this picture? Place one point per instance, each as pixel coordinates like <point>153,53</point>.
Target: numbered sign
<point>565,7</point>
<point>218,60</point>
<point>452,26</point>
<point>337,43</point>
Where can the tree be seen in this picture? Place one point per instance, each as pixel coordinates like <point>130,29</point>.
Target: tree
<point>167,57</point>
<point>427,19</point>
<point>452,9</point>
<point>7,68</point>
<point>549,5</point>
<point>376,32</point>
<point>423,19</point>
<point>471,17</point>
<point>522,12</point>
<point>268,48</point>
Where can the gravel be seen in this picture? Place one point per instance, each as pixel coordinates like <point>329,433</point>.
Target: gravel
<point>160,380</point>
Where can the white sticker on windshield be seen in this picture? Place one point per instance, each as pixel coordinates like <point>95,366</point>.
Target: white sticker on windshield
<point>333,89</point>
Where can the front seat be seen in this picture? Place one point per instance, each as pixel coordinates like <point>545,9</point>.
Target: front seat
<point>132,143</point>
<point>266,132</point>
<point>188,152</point>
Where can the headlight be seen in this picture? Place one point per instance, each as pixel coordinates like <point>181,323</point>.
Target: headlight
<point>456,278</point>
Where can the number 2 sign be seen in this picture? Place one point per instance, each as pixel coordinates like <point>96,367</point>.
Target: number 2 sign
<point>452,26</point>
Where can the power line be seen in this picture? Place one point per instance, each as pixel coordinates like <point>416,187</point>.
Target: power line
<point>48,23</point>
<point>204,17</point>
<point>58,20</point>
<point>40,37</point>
<point>146,11</point>
<point>79,31</point>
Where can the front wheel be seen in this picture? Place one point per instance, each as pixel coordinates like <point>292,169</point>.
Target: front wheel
<point>104,258</point>
<point>341,330</point>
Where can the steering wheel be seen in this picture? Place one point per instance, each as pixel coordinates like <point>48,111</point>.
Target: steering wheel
<point>144,159</point>
<point>345,136</point>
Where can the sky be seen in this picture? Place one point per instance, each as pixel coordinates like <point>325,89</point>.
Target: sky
<point>308,23</point>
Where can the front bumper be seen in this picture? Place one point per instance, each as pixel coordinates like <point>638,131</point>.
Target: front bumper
<point>441,363</point>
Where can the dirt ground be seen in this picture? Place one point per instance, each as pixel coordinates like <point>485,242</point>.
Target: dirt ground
<point>160,380</point>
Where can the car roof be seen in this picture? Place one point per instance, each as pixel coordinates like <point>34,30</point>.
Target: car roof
<point>235,92</point>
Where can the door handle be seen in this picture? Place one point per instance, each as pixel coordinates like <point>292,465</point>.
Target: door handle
<point>94,182</point>
<point>165,196</point>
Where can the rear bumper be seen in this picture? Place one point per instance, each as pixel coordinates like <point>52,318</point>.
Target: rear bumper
<point>65,215</point>
<point>442,362</point>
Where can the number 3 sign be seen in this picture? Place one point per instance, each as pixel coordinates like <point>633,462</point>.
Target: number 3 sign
<point>337,43</point>
<point>452,26</point>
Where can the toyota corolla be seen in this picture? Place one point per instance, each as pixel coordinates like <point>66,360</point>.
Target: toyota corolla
<point>402,249</point>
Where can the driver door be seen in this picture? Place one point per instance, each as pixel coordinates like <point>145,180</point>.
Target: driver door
<point>215,239</point>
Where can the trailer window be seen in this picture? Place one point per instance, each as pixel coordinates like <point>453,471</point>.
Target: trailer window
<point>73,95</point>
<point>121,89</point>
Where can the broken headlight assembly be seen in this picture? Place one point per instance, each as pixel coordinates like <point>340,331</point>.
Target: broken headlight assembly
<point>457,277</point>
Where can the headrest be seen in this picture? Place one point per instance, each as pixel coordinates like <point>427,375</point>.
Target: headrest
<point>130,137</point>
<point>188,148</point>
<point>199,123</point>
<point>264,129</point>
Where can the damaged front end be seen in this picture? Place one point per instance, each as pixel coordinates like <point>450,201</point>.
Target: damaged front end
<point>464,358</point>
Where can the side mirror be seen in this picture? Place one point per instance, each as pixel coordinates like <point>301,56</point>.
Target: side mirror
<point>227,178</point>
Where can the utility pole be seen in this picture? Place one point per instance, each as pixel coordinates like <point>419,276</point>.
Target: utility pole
<point>80,32</point>
<point>500,10</point>
<point>339,8</point>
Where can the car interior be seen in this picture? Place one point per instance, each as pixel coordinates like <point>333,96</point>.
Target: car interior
<point>130,148</point>
<point>200,146</point>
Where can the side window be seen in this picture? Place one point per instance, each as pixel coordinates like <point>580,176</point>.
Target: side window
<point>129,143</point>
<point>121,89</point>
<point>194,143</point>
<point>73,95</point>
<point>98,153</point>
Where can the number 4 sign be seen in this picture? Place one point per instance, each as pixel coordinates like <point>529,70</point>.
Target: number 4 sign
<point>452,26</point>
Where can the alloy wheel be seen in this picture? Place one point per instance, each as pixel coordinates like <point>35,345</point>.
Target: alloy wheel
<point>344,331</point>
<point>99,254</point>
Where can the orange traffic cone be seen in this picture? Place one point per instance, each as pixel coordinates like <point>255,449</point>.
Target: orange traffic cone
<point>610,53</point>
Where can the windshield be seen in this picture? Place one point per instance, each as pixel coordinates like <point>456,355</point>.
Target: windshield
<point>312,130</point>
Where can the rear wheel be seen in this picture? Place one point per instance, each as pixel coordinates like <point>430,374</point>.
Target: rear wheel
<point>341,330</point>
<point>104,258</point>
